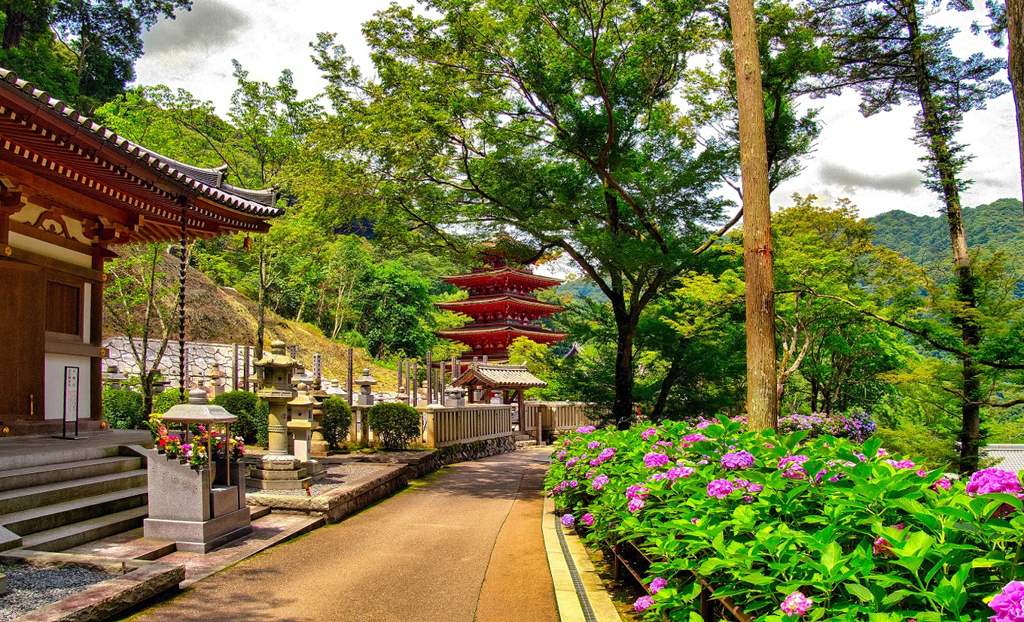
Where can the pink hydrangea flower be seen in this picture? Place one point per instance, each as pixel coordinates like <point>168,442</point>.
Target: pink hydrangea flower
<point>586,429</point>
<point>679,472</point>
<point>595,462</point>
<point>573,483</point>
<point>796,604</point>
<point>695,521</point>
<point>942,484</point>
<point>657,477</point>
<point>587,519</point>
<point>637,491</point>
<point>561,455</point>
<point>648,433</point>
<point>657,584</point>
<point>599,482</point>
<point>738,460</point>
<point>643,604</point>
<point>606,454</point>
<point>881,545</point>
<point>1009,604</point>
<point>990,481</point>
<point>570,464</point>
<point>637,504</point>
<point>792,467</point>
<point>593,444</point>
<point>719,488</point>
<point>568,520</point>
<point>901,464</point>
<point>654,460</point>
<point>690,439</point>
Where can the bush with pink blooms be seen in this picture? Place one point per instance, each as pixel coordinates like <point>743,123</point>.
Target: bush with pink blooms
<point>793,528</point>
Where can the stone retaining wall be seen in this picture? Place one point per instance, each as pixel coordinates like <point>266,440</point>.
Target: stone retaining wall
<point>200,358</point>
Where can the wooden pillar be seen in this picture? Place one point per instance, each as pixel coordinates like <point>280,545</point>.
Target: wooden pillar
<point>95,334</point>
<point>401,363</point>
<point>349,382</point>
<point>442,396</point>
<point>234,367</point>
<point>522,410</point>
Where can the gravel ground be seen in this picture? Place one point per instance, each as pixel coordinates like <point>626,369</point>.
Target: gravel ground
<point>32,588</point>
<point>337,475</point>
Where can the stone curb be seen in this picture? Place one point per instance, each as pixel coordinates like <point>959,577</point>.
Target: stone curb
<point>138,582</point>
<point>568,595</point>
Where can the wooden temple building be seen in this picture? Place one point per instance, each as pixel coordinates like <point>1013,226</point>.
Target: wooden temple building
<point>502,306</point>
<point>71,192</point>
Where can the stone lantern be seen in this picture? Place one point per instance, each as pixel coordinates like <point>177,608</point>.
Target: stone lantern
<point>301,423</point>
<point>278,469</point>
<point>114,376</point>
<point>365,383</point>
<point>215,384</point>
<point>456,397</point>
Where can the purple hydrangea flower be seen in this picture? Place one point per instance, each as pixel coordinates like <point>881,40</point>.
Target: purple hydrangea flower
<point>754,488</point>
<point>606,454</point>
<point>573,483</point>
<point>568,520</point>
<point>942,484</point>
<point>593,444</point>
<point>792,467</point>
<point>654,460</point>
<point>690,439</point>
<point>796,604</point>
<point>587,519</point>
<point>901,464</point>
<point>1009,604</point>
<point>587,429</point>
<point>637,504</point>
<point>657,584</point>
<point>719,488</point>
<point>737,460</point>
<point>637,491</point>
<point>561,455</point>
<point>595,462</point>
<point>648,433</point>
<point>657,477</point>
<point>599,482</point>
<point>643,604</point>
<point>570,464</point>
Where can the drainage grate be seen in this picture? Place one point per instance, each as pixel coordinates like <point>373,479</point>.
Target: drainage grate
<point>577,581</point>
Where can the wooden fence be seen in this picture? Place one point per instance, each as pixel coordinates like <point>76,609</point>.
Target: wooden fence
<point>557,416</point>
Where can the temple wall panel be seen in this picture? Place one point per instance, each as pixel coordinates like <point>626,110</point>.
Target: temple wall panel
<point>56,365</point>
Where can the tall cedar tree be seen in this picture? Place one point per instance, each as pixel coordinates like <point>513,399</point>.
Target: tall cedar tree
<point>888,54</point>
<point>552,119</point>
<point>762,399</point>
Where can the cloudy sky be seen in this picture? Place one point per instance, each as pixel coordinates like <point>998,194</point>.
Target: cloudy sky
<point>871,161</point>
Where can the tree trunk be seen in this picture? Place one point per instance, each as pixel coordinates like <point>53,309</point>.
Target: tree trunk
<point>622,408</point>
<point>814,395</point>
<point>14,29</point>
<point>762,397</point>
<point>675,370</point>
<point>1014,32</point>
<point>970,332</point>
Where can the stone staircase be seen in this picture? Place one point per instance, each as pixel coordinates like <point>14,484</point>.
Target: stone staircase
<point>58,500</point>
<point>525,440</point>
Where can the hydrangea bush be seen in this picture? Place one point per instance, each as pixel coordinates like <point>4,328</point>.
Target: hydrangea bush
<point>857,427</point>
<point>791,527</point>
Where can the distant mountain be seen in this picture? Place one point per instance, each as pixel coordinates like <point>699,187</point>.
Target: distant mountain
<point>925,239</point>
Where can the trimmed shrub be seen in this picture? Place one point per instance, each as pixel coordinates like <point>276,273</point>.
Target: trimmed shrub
<point>162,402</point>
<point>251,412</point>
<point>123,409</point>
<point>395,424</point>
<point>337,418</point>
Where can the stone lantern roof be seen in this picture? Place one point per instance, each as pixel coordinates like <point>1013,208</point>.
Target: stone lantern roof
<point>197,411</point>
<point>278,357</point>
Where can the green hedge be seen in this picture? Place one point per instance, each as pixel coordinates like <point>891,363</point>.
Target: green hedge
<point>162,402</point>
<point>337,418</point>
<point>252,415</point>
<point>123,409</point>
<point>394,424</point>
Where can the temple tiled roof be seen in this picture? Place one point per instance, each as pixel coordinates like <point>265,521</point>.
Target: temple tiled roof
<point>499,377</point>
<point>1010,457</point>
<point>208,182</point>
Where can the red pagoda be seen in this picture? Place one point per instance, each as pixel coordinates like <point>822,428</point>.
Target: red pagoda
<point>502,307</point>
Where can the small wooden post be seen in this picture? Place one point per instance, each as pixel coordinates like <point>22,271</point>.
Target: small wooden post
<point>234,367</point>
<point>401,362</point>
<point>442,396</point>
<point>245,373</point>
<point>522,410</point>
<point>430,377</point>
<point>413,381</point>
<point>349,382</point>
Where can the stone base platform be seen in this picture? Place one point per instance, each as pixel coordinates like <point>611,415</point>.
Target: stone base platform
<point>200,536</point>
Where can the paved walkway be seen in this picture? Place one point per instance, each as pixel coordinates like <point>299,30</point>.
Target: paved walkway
<point>462,545</point>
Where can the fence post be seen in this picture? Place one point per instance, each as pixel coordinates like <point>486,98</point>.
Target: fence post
<point>349,383</point>
<point>430,428</point>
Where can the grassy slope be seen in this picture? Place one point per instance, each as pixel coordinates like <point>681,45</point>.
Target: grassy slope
<point>221,315</point>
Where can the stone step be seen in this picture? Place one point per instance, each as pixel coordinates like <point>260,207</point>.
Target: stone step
<point>72,453</point>
<point>526,443</point>
<point>51,473</point>
<point>76,534</point>
<point>60,492</point>
<point>126,545</point>
<point>56,515</point>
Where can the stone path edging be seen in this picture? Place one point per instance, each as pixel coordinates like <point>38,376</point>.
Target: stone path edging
<point>569,593</point>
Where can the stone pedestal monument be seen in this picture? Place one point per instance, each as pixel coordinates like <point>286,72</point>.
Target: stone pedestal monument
<point>365,383</point>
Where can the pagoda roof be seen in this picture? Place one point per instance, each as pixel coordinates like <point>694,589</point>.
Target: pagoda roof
<point>498,274</point>
<point>510,299</point>
<point>60,149</point>
<point>498,377</point>
<point>525,330</point>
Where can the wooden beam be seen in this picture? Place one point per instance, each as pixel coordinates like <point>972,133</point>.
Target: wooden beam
<point>50,238</point>
<point>17,254</point>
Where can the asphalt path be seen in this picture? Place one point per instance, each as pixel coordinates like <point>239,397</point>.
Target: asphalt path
<point>463,544</point>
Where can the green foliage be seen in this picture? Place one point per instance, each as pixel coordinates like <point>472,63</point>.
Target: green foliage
<point>395,302</point>
<point>163,401</point>
<point>336,421</point>
<point>252,413</point>
<point>864,535</point>
<point>123,410</point>
<point>395,424</point>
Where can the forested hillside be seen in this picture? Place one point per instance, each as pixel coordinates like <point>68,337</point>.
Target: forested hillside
<point>925,239</point>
